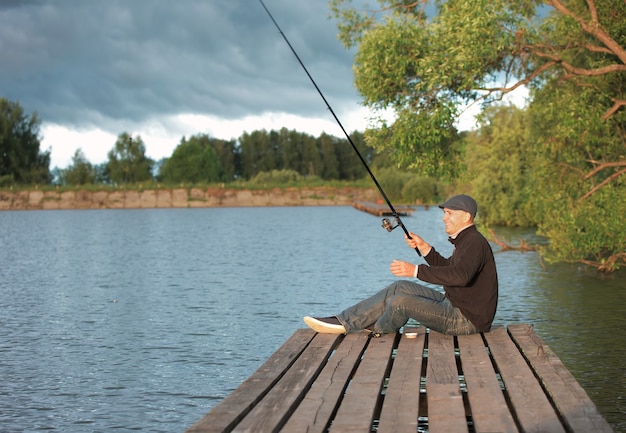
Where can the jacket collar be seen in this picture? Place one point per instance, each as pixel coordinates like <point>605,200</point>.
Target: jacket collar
<point>461,234</point>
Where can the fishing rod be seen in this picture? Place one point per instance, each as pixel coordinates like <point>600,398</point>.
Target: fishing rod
<point>386,223</point>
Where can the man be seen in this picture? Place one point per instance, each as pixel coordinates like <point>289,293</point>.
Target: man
<point>469,279</point>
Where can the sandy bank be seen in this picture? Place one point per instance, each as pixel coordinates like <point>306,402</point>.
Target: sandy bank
<point>182,198</point>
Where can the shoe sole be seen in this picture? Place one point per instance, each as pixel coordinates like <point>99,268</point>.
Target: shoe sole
<point>323,327</point>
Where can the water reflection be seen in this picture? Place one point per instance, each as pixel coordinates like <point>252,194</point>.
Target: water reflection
<point>577,312</point>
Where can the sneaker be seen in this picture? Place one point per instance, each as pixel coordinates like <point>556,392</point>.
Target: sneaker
<point>325,325</point>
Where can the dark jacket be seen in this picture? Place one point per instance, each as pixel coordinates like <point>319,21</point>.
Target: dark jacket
<point>468,277</point>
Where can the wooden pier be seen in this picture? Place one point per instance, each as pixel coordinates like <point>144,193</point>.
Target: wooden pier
<point>380,209</point>
<point>506,380</point>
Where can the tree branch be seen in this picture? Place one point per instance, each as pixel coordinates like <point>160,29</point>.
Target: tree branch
<point>522,246</point>
<point>601,184</point>
<point>581,71</point>
<point>592,28</point>
<point>602,166</point>
<point>616,106</point>
<point>520,83</point>
<point>597,49</point>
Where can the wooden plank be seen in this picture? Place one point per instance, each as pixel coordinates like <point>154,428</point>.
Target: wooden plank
<point>232,409</point>
<point>446,411</point>
<point>490,412</point>
<point>401,403</point>
<point>530,404</point>
<point>569,397</point>
<point>321,382</point>
<point>357,409</point>
<point>315,412</point>
<point>272,411</point>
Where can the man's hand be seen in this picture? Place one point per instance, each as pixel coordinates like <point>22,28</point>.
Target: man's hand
<point>402,269</point>
<point>417,242</point>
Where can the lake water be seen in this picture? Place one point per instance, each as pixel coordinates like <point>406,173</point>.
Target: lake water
<point>145,319</point>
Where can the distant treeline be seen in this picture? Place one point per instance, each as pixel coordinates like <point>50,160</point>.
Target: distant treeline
<point>198,159</point>
<point>203,159</point>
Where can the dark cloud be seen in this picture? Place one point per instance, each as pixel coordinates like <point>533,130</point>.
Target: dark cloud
<point>86,62</point>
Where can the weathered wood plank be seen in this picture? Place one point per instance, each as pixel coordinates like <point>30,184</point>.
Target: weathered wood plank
<point>401,404</point>
<point>490,412</point>
<point>571,400</point>
<point>318,383</point>
<point>530,404</point>
<point>357,409</point>
<point>232,409</point>
<point>272,411</point>
<point>314,413</point>
<point>446,411</point>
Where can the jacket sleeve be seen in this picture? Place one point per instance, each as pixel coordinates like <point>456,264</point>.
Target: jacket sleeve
<point>459,270</point>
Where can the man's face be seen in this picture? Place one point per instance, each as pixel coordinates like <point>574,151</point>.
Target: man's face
<point>455,220</point>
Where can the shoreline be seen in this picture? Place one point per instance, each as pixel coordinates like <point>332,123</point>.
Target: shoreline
<point>184,198</point>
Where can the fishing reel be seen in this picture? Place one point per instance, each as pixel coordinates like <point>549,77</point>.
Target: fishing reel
<point>387,225</point>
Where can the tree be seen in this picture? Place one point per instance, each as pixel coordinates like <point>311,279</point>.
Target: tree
<point>327,144</point>
<point>290,149</point>
<point>311,157</point>
<point>497,161</point>
<point>579,189</point>
<point>422,60</point>
<point>228,157</point>
<point>350,165</point>
<point>193,160</point>
<point>80,171</point>
<point>20,158</point>
<point>258,153</point>
<point>423,67</point>
<point>128,162</point>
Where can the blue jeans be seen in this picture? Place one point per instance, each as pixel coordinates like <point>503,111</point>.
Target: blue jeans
<point>389,309</point>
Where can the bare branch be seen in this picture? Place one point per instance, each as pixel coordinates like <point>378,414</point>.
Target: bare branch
<point>522,246</point>
<point>571,167</point>
<point>593,10</point>
<point>601,184</point>
<point>597,49</point>
<point>619,103</point>
<point>592,28</point>
<point>608,265</point>
<point>523,82</point>
<point>581,71</point>
<point>602,166</point>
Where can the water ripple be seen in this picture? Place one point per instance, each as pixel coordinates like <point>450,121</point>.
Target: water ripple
<point>144,320</point>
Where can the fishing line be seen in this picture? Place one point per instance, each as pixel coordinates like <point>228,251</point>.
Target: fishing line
<point>387,225</point>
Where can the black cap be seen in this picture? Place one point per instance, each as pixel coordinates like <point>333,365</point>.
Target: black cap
<point>461,202</point>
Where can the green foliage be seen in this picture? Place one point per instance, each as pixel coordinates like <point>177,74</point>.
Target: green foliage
<point>128,162</point>
<point>387,74</point>
<point>277,177</point>
<point>393,181</point>
<point>561,164</point>
<point>497,163</point>
<point>591,231</point>
<point>423,68</point>
<point>21,161</point>
<point>80,171</point>
<point>579,175</point>
<point>421,190</point>
<point>193,160</point>
<point>407,186</point>
<point>325,157</point>
<point>327,145</point>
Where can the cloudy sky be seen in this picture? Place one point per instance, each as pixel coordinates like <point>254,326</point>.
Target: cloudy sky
<point>164,69</point>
